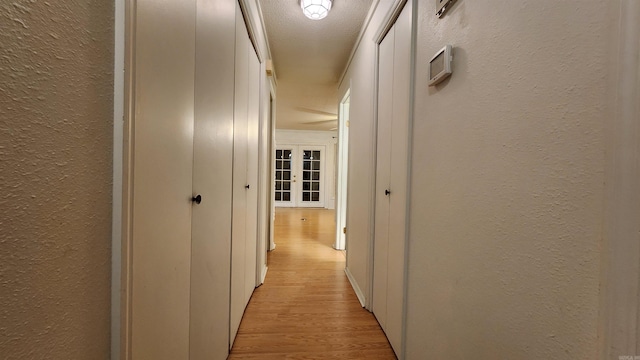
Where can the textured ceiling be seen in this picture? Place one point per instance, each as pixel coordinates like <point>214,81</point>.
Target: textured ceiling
<point>309,56</point>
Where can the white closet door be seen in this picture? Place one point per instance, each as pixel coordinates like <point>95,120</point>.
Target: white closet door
<point>163,98</point>
<point>253,129</point>
<point>239,226</point>
<point>391,178</point>
<point>212,179</point>
<point>398,178</point>
<point>383,167</point>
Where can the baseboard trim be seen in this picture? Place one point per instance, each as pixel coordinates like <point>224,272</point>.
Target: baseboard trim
<point>264,274</point>
<point>355,287</point>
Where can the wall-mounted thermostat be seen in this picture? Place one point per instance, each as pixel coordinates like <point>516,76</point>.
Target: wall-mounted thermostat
<point>440,65</point>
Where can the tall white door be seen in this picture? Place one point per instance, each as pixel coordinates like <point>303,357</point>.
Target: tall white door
<point>392,177</point>
<point>212,179</point>
<point>253,133</point>
<point>300,176</point>
<point>239,229</point>
<point>163,100</point>
<point>195,134</point>
<point>245,175</point>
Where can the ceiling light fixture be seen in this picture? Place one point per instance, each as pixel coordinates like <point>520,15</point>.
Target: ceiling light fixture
<point>315,9</point>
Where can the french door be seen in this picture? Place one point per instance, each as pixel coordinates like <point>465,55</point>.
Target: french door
<point>299,176</point>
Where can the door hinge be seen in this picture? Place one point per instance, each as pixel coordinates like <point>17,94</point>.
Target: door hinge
<point>344,230</point>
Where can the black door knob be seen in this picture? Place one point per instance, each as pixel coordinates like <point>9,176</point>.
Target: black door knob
<point>197,199</point>
<point>247,186</point>
<point>387,192</point>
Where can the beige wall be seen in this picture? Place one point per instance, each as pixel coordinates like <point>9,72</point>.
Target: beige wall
<point>56,91</point>
<point>508,181</point>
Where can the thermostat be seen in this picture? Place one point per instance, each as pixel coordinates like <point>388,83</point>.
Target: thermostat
<point>440,65</point>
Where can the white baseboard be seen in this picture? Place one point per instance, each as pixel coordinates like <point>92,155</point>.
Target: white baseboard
<point>355,287</point>
<point>264,274</point>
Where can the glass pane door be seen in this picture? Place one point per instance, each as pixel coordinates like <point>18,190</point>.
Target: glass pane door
<point>311,176</point>
<point>299,176</point>
<point>284,177</point>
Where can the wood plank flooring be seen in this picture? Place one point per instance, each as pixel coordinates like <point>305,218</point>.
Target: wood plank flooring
<point>306,308</point>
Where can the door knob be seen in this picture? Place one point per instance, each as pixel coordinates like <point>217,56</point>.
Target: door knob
<point>387,192</point>
<point>197,199</point>
<point>247,186</point>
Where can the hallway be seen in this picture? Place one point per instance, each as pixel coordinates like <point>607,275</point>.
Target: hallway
<point>306,308</point>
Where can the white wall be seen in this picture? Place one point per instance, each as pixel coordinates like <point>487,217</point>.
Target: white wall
<point>316,137</point>
<point>508,181</point>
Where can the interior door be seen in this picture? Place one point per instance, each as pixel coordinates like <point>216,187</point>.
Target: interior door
<point>253,132</point>
<point>311,176</point>
<point>163,98</point>
<point>392,178</point>
<point>212,179</point>
<point>245,174</point>
<point>300,176</point>
<point>383,168</point>
<point>285,175</point>
<point>240,133</point>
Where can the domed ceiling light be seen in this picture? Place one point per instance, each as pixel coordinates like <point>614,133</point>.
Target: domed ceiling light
<point>315,9</point>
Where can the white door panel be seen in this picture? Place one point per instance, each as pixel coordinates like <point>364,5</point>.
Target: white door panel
<point>162,179</point>
<point>383,168</point>
<point>245,175</point>
<point>391,178</point>
<point>239,229</point>
<point>253,123</point>
<point>398,178</point>
<point>212,179</point>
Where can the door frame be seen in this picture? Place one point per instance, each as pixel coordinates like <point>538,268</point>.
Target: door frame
<point>272,164</point>
<point>342,166</point>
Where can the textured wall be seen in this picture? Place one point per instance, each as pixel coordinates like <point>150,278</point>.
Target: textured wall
<point>56,94</point>
<point>508,181</point>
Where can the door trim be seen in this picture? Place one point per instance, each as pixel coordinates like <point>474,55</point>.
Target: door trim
<point>389,19</point>
<point>342,174</point>
<point>127,162</point>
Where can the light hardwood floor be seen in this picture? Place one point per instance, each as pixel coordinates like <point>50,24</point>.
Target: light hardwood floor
<point>306,308</point>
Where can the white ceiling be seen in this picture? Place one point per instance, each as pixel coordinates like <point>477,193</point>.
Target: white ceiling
<point>309,56</point>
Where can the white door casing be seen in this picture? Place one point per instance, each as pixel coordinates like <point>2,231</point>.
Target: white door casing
<point>342,166</point>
